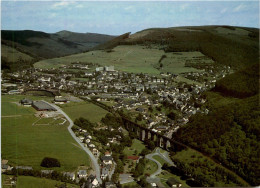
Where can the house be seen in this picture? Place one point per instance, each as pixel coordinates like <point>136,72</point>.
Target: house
<point>134,158</point>
<point>95,151</point>
<point>162,128</point>
<point>70,175</point>
<point>24,167</point>
<point>26,102</point>
<point>107,160</point>
<point>104,173</point>
<point>5,167</point>
<point>46,172</point>
<point>153,185</point>
<point>60,101</point>
<point>172,182</point>
<point>82,173</point>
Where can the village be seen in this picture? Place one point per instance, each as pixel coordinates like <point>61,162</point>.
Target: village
<point>161,103</point>
<point>144,94</point>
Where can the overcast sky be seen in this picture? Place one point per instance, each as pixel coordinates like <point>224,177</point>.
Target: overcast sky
<point>120,17</point>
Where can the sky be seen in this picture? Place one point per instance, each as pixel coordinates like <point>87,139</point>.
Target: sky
<point>118,17</point>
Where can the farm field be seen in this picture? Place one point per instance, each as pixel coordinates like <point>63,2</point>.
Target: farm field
<point>84,109</point>
<point>32,182</point>
<point>129,58</point>
<point>25,144</point>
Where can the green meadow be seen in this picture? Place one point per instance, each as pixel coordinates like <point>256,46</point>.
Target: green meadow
<point>129,58</point>
<point>33,182</point>
<point>86,110</point>
<point>25,144</point>
<point>135,149</point>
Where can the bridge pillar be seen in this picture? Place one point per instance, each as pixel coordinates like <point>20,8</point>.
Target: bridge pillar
<point>141,135</point>
<point>164,143</point>
<point>146,136</point>
<point>158,141</point>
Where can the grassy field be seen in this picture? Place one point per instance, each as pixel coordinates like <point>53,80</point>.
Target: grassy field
<point>129,58</point>
<point>159,159</point>
<point>84,109</point>
<point>164,176</point>
<point>131,185</point>
<point>150,167</point>
<point>135,149</point>
<point>13,55</point>
<point>175,62</point>
<point>33,182</point>
<point>24,144</point>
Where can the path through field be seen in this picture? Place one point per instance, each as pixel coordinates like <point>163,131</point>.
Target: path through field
<point>93,159</point>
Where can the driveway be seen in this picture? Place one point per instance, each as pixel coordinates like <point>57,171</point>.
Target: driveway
<point>92,157</point>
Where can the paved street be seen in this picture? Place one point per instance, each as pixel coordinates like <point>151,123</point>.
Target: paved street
<point>92,157</point>
<point>165,156</point>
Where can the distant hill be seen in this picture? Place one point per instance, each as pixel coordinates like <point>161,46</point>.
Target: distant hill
<point>228,45</point>
<point>112,43</point>
<point>83,38</point>
<point>46,45</point>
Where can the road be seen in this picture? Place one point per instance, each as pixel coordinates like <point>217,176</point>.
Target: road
<point>92,157</point>
<point>165,156</point>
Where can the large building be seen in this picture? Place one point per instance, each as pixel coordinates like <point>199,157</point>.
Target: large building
<point>42,106</point>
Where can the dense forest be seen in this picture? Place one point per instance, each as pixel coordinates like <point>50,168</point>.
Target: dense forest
<point>241,84</point>
<point>230,132</point>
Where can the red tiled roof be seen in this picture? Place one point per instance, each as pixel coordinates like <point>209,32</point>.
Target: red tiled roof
<point>133,157</point>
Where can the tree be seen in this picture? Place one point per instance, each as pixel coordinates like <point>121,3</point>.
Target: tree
<point>115,177</point>
<point>151,145</point>
<point>50,162</point>
<point>171,115</point>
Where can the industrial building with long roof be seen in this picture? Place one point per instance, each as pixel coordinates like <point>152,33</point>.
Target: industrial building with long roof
<point>42,106</point>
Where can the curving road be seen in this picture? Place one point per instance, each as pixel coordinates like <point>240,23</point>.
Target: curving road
<point>93,159</point>
<point>164,156</point>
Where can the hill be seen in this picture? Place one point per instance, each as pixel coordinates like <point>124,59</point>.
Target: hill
<point>228,45</point>
<point>46,45</point>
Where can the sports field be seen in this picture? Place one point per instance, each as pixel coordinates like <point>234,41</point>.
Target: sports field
<point>129,58</point>
<point>86,110</point>
<point>25,144</point>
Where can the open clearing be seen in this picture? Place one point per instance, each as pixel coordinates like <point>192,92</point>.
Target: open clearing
<point>86,110</point>
<point>24,144</point>
<point>135,149</point>
<point>32,182</point>
<point>129,58</point>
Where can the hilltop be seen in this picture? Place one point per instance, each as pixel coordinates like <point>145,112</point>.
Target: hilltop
<point>47,45</point>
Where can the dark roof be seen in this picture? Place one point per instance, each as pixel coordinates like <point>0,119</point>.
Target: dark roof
<point>60,100</point>
<point>106,158</point>
<point>26,101</point>
<point>172,181</point>
<point>40,105</point>
<point>4,166</point>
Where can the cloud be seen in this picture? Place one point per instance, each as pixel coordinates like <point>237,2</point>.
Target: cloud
<point>61,4</point>
<point>240,7</point>
<point>184,7</point>
<point>223,11</point>
<point>79,6</point>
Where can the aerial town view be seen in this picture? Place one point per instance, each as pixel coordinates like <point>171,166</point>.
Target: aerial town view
<point>130,94</point>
